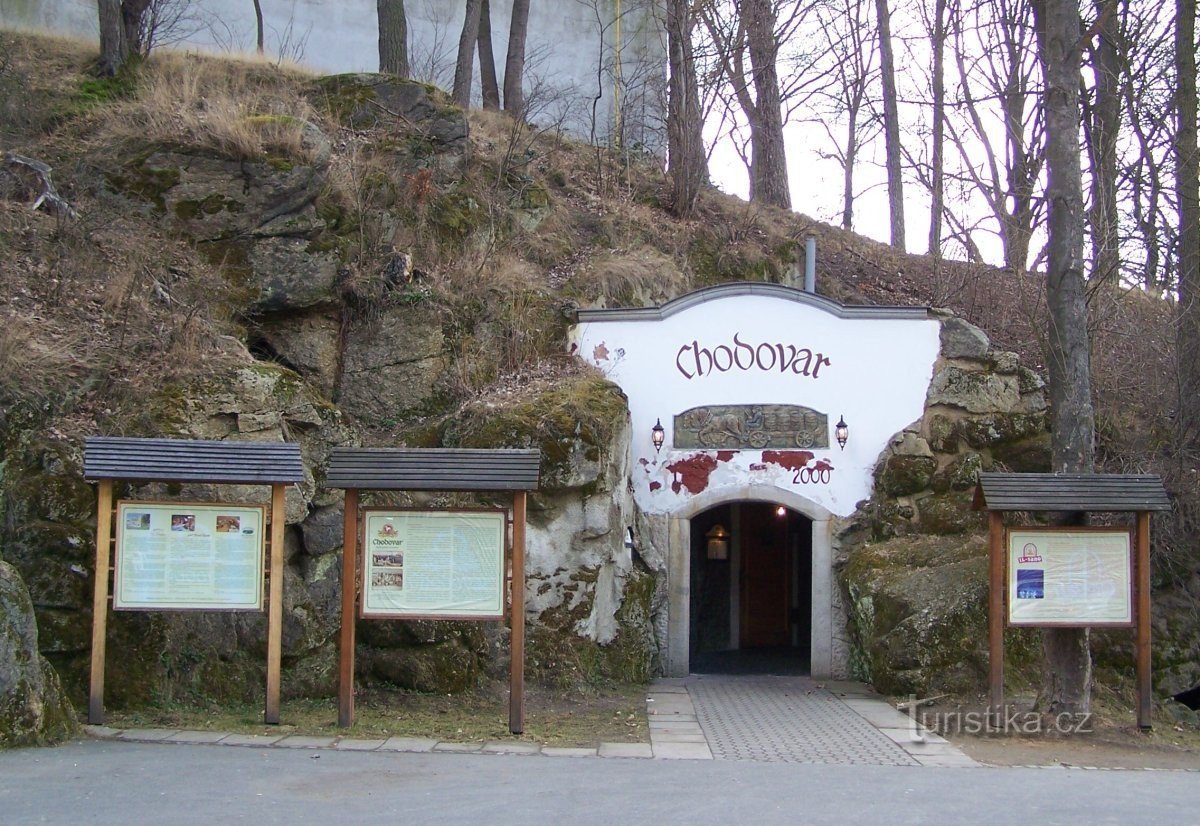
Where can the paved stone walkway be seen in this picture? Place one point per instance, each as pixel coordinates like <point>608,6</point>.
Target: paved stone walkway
<point>770,719</point>
<point>787,719</point>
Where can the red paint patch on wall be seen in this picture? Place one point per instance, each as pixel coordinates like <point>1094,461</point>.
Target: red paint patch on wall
<point>655,486</point>
<point>789,459</point>
<point>693,472</point>
<point>823,464</point>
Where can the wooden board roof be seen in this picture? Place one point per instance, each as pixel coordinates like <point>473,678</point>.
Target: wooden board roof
<point>191,460</point>
<point>1070,492</point>
<point>449,469</point>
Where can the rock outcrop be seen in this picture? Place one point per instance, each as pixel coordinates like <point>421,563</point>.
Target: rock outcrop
<point>913,563</point>
<point>33,708</point>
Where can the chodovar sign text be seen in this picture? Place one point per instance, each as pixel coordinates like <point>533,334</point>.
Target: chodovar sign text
<point>695,360</point>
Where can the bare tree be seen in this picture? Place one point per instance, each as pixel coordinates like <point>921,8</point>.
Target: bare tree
<point>847,40</point>
<point>938,33</point>
<point>114,48</point>
<point>1187,189</point>
<point>993,49</point>
<point>752,30</point>
<point>487,60</point>
<point>1066,653</point>
<point>891,125</point>
<point>468,40</point>
<point>393,37</point>
<point>1147,89</point>
<point>514,62</point>
<point>1102,125</point>
<point>258,26</point>
<point>685,153</point>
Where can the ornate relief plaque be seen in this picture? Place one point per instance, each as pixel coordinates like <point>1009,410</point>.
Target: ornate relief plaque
<point>777,426</point>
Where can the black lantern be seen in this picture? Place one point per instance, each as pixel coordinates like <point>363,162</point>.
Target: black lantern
<point>841,432</point>
<point>658,435</point>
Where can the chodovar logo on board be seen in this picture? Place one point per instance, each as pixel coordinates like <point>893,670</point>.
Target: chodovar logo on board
<point>387,535</point>
<point>695,360</point>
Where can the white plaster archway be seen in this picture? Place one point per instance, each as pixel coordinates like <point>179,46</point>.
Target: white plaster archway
<point>679,570</point>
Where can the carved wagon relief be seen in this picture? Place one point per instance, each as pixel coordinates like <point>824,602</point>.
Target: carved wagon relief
<point>757,426</point>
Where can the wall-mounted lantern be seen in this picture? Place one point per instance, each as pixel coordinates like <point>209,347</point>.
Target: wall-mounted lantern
<point>658,435</point>
<point>718,542</point>
<point>841,432</point>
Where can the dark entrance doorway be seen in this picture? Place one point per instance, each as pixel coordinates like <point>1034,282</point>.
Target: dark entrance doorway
<point>751,590</point>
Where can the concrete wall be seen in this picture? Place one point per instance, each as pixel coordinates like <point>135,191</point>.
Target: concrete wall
<point>571,54</point>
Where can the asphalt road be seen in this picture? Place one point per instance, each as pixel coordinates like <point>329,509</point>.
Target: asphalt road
<point>114,782</point>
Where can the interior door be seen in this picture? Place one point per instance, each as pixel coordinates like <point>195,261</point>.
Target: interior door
<point>765,576</point>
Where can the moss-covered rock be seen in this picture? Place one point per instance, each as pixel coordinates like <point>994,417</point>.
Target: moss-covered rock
<point>33,708</point>
<point>1030,455</point>
<point>558,655</point>
<point>572,423</point>
<point>959,474</point>
<point>917,609</point>
<point>943,433</point>
<point>949,513</point>
<point>443,667</point>
<point>997,428</point>
<point>904,475</point>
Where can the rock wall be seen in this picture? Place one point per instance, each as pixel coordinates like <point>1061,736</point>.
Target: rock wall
<point>33,709</point>
<point>334,356</point>
<point>912,562</point>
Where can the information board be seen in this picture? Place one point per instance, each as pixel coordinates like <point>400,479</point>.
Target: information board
<point>189,556</point>
<point>433,564</point>
<point>1069,577</point>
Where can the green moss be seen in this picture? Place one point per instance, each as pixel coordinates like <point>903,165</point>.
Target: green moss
<point>950,513</point>
<point>557,656</point>
<point>579,417</point>
<point>904,475</point>
<point>210,205</point>
<point>148,183</point>
<point>101,91</point>
<point>455,216</point>
<point>985,431</point>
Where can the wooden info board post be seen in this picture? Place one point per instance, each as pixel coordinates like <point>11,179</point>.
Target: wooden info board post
<point>226,578</point>
<point>1062,577</point>
<point>407,567</point>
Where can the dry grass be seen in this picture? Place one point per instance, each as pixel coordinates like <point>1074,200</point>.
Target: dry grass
<point>614,715</point>
<point>241,110</point>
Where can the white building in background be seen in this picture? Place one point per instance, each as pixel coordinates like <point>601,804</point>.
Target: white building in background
<point>596,66</point>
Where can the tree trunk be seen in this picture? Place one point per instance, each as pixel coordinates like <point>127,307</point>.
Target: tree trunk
<point>1187,190</point>
<point>258,26</point>
<point>464,67</point>
<point>937,169</point>
<point>487,60</point>
<point>114,49</point>
<point>768,164</point>
<point>514,62</point>
<point>1102,132</point>
<point>685,152</point>
<point>133,13</point>
<point>848,161</point>
<point>891,126</point>
<point>393,37</point>
<point>1067,659</point>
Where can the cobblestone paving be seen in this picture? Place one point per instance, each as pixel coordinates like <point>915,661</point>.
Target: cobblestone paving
<point>788,720</point>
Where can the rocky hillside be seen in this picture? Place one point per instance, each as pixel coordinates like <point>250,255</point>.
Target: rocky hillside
<point>256,253</point>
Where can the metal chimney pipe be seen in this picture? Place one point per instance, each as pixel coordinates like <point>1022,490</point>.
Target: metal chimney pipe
<point>810,264</point>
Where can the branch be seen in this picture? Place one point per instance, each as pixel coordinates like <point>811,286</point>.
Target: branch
<point>49,196</point>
